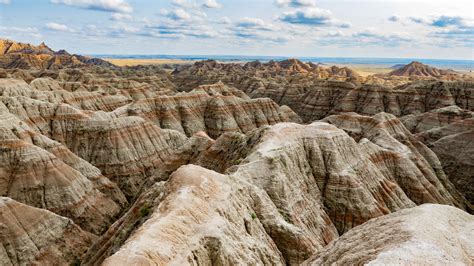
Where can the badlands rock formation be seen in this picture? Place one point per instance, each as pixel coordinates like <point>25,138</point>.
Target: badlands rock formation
<point>295,191</point>
<point>449,132</point>
<point>313,96</point>
<point>407,237</point>
<point>211,163</point>
<point>22,55</point>
<point>421,70</point>
<point>35,236</point>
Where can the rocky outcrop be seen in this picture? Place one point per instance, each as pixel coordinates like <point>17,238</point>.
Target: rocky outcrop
<point>47,91</point>
<point>407,237</point>
<point>214,109</point>
<point>414,98</point>
<point>456,153</point>
<point>252,74</point>
<point>436,118</point>
<point>449,133</point>
<point>423,173</point>
<point>418,69</point>
<point>315,96</point>
<point>26,56</point>
<point>229,226</point>
<point>125,149</point>
<point>292,192</point>
<point>208,164</point>
<point>34,236</point>
<point>42,173</point>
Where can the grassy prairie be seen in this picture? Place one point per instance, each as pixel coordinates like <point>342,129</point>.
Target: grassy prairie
<point>135,62</point>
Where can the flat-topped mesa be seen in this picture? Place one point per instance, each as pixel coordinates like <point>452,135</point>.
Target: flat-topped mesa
<point>27,56</point>
<point>418,69</point>
<point>427,234</point>
<point>32,236</point>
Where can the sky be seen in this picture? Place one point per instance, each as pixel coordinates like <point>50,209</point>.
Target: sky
<point>435,29</point>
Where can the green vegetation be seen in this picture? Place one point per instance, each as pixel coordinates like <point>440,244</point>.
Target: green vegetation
<point>145,211</point>
<point>76,262</point>
<point>285,216</point>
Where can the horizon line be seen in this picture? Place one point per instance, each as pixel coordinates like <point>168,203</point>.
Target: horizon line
<point>101,55</point>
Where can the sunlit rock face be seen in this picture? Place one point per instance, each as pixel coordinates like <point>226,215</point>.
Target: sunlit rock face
<point>406,237</point>
<point>35,236</point>
<point>212,163</point>
<point>26,56</point>
<point>298,187</point>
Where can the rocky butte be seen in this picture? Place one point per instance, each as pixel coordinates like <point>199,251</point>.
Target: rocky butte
<point>277,163</point>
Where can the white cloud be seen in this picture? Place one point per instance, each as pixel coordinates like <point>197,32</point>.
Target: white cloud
<point>178,14</point>
<point>367,37</point>
<point>224,20</point>
<point>17,32</point>
<point>57,27</point>
<point>5,2</point>
<point>444,21</point>
<point>211,4</point>
<point>179,29</point>
<point>184,4</point>
<point>254,23</point>
<point>312,16</point>
<point>295,3</point>
<point>118,6</point>
<point>121,16</point>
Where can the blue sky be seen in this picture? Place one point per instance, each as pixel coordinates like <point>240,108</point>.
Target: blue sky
<point>323,28</point>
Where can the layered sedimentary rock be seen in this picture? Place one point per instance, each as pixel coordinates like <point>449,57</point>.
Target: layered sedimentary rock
<point>213,109</point>
<point>295,190</point>
<point>202,165</point>
<point>449,132</point>
<point>413,98</point>
<point>47,92</point>
<point>436,118</point>
<point>421,70</point>
<point>125,149</point>
<point>231,225</point>
<point>427,234</point>
<point>456,153</point>
<point>254,73</point>
<point>416,167</point>
<point>22,55</point>
<point>43,173</point>
<point>34,236</point>
<point>314,97</point>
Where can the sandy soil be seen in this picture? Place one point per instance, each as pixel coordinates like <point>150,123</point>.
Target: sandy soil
<point>135,62</point>
<point>365,70</point>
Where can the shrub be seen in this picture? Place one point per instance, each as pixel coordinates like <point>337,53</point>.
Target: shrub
<point>145,211</point>
<point>253,215</point>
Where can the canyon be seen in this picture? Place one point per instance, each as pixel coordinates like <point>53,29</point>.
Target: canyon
<point>212,163</point>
